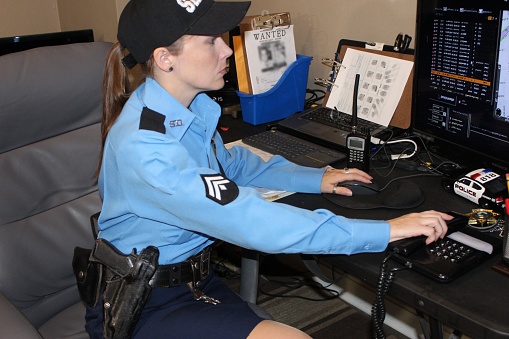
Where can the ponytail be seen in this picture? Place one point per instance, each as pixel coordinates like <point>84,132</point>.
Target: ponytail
<point>116,91</point>
<point>117,85</point>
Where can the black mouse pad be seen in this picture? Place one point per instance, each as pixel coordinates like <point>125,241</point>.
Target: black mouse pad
<point>398,195</point>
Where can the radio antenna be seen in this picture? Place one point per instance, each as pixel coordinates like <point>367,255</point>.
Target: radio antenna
<point>354,104</point>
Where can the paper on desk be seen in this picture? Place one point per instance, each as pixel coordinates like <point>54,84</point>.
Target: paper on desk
<point>268,194</point>
<point>262,154</point>
<point>382,81</point>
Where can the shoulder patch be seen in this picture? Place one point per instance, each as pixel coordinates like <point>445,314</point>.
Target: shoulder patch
<point>220,189</point>
<point>152,121</point>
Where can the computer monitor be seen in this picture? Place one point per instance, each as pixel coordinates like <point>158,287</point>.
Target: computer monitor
<point>23,42</point>
<point>461,85</point>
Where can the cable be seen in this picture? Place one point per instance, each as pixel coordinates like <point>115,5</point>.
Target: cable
<point>409,176</point>
<point>296,283</point>
<point>378,310</point>
<point>222,268</point>
<point>317,95</point>
<point>432,158</point>
<point>386,154</point>
<point>402,155</point>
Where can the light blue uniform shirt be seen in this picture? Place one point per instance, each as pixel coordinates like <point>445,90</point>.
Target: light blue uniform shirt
<point>164,188</point>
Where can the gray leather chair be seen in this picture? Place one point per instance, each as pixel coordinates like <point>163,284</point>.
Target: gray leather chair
<point>50,112</point>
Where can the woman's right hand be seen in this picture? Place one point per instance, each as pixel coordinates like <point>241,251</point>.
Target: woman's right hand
<point>431,224</point>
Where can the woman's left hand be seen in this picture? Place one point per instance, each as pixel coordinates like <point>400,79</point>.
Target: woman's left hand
<point>334,177</point>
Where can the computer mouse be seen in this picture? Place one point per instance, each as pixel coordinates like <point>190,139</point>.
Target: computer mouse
<point>360,188</point>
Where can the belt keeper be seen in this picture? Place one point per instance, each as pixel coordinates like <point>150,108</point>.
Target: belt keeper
<point>200,266</point>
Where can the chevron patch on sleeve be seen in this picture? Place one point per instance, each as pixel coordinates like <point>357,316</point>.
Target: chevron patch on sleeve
<point>220,189</point>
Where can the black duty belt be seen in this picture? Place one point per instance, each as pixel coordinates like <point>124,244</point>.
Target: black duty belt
<point>196,268</point>
<point>182,273</point>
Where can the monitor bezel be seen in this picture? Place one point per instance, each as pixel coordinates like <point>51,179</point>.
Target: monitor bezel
<point>21,43</point>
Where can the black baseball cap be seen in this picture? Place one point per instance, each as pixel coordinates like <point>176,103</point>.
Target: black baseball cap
<point>145,25</point>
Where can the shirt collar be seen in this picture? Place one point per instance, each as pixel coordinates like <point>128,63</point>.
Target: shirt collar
<point>155,97</point>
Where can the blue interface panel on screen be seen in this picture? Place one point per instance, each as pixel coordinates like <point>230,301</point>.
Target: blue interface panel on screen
<point>461,88</point>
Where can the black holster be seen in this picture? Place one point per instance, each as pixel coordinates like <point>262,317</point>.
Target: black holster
<point>125,296</point>
<point>89,275</point>
<point>126,279</point>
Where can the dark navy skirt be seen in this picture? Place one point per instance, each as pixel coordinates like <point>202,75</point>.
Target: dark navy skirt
<point>174,313</point>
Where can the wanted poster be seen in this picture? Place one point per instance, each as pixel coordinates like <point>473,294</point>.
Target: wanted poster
<point>269,53</point>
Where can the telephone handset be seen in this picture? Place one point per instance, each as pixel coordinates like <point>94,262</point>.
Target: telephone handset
<point>408,246</point>
<point>462,249</point>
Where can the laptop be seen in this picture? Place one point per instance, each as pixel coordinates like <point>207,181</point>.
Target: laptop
<point>316,137</point>
<point>330,127</point>
<point>295,149</point>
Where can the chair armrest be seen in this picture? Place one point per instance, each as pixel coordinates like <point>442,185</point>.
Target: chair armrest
<point>13,323</point>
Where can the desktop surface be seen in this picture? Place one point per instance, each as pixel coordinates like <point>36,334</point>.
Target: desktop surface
<point>474,303</point>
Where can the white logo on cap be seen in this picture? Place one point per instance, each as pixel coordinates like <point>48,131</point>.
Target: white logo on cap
<point>189,5</point>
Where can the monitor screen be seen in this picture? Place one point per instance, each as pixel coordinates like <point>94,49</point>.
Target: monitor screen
<point>461,89</point>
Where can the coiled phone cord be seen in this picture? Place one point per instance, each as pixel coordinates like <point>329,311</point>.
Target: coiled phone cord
<point>378,310</point>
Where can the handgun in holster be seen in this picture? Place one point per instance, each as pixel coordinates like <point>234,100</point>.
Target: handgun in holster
<point>127,288</point>
<point>125,296</point>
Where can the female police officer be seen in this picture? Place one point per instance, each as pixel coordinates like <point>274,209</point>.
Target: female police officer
<point>167,180</point>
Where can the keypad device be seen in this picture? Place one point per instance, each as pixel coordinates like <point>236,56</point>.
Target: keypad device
<point>451,250</point>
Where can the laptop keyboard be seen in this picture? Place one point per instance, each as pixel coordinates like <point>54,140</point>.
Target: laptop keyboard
<point>337,119</point>
<point>292,148</point>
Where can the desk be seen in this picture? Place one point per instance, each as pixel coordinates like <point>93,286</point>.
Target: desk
<point>475,303</point>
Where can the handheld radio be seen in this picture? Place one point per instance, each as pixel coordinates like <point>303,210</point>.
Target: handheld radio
<point>358,141</point>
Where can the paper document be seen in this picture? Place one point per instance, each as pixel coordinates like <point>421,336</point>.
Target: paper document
<point>382,81</point>
<point>269,53</point>
<point>262,154</point>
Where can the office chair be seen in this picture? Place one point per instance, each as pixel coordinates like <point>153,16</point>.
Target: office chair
<point>50,99</point>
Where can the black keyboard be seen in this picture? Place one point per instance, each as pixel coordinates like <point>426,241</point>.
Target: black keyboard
<point>338,119</point>
<point>294,149</point>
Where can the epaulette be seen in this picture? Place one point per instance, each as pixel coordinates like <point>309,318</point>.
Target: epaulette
<point>152,121</point>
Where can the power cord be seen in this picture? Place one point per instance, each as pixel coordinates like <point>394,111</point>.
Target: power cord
<point>402,155</point>
<point>295,283</point>
<point>315,97</point>
<point>378,310</point>
<point>407,177</point>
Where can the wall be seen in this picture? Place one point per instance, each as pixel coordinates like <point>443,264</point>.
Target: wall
<point>23,17</point>
<point>100,15</point>
<point>318,25</point>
